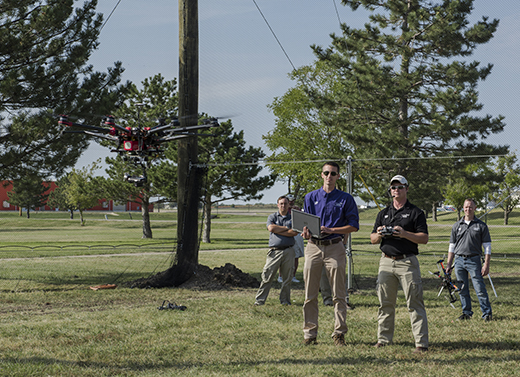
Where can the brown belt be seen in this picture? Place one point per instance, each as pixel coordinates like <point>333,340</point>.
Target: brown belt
<point>398,257</point>
<point>325,242</point>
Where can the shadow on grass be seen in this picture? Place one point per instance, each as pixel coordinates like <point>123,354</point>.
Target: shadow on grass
<point>402,351</point>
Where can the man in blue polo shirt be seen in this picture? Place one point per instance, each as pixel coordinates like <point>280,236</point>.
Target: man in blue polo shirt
<point>339,217</point>
<point>468,236</point>
<point>280,254</point>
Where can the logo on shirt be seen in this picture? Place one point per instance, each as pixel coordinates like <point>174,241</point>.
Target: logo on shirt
<point>405,215</point>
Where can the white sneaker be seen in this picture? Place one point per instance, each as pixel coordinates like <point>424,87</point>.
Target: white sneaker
<point>294,280</point>
<point>280,279</point>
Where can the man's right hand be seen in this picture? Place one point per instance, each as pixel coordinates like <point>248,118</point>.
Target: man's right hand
<point>306,233</point>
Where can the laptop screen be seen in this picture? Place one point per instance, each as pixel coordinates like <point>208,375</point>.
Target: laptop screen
<point>302,219</point>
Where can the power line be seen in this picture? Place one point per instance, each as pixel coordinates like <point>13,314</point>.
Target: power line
<point>274,34</point>
<point>301,77</point>
<point>267,163</point>
<point>110,15</point>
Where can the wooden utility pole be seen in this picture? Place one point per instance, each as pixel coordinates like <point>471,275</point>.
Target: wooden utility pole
<point>188,175</point>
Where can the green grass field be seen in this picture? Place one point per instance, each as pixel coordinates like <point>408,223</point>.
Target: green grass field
<point>52,324</point>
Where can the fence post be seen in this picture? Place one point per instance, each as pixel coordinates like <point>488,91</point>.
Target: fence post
<point>348,245</point>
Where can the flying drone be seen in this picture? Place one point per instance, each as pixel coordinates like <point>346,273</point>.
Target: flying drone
<point>137,144</point>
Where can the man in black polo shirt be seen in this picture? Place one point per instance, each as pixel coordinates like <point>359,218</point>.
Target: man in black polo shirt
<point>468,236</point>
<point>280,254</point>
<point>399,228</point>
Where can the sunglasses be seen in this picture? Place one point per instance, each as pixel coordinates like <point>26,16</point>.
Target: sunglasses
<point>400,187</point>
<point>332,173</point>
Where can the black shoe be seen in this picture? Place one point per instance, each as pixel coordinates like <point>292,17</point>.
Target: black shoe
<point>464,317</point>
<point>488,318</point>
<point>420,349</point>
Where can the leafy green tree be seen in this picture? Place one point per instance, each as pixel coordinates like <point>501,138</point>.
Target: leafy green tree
<point>44,49</point>
<point>400,95</point>
<point>298,132</point>
<point>58,199</point>
<point>228,174</point>
<point>118,189</point>
<point>157,100</point>
<point>28,192</point>
<point>228,177</point>
<point>507,193</point>
<point>83,189</point>
<point>474,181</point>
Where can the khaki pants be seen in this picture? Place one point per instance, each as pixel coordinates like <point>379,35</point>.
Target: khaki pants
<point>277,259</point>
<point>334,260</point>
<point>407,273</point>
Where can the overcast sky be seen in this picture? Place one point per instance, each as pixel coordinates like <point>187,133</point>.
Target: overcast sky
<point>242,67</point>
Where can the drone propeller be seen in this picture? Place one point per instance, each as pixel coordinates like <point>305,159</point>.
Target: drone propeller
<point>194,128</point>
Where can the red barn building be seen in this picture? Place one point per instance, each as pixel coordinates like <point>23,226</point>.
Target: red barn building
<point>104,205</point>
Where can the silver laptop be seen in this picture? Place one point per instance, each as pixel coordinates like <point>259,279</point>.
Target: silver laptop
<point>301,219</point>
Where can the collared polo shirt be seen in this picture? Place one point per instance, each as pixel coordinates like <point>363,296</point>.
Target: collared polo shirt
<point>336,209</point>
<point>411,218</point>
<point>468,238</point>
<point>276,240</point>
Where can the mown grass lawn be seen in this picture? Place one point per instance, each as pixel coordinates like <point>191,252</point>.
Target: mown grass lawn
<point>51,323</point>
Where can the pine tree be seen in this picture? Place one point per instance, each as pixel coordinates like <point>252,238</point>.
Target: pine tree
<point>28,192</point>
<point>402,95</point>
<point>44,51</point>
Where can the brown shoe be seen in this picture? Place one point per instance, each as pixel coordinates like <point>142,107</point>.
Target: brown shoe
<point>339,339</point>
<point>420,349</point>
<point>379,345</point>
<point>310,341</point>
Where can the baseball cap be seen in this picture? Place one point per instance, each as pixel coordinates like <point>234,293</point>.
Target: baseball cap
<point>399,178</point>
<point>290,197</point>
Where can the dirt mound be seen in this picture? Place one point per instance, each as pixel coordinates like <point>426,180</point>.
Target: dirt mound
<point>204,278</point>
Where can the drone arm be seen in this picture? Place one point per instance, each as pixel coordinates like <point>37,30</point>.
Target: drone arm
<point>84,126</point>
<point>159,128</point>
<point>103,136</point>
<point>120,128</point>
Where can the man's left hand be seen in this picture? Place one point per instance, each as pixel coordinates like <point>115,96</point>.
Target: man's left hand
<point>325,230</point>
<point>485,269</point>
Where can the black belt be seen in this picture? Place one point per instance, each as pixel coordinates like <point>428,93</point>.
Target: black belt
<point>279,247</point>
<point>468,256</point>
<point>398,257</point>
<point>326,242</point>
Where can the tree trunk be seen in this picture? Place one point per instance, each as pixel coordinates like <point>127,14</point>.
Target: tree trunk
<point>206,233</point>
<point>71,214</point>
<point>82,222</point>
<point>506,216</point>
<point>28,215</point>
<point>434,211</point>
<point>147,229</point>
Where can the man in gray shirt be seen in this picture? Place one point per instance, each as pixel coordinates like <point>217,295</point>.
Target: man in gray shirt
<point>468,236</point>
<point>280,254</point>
